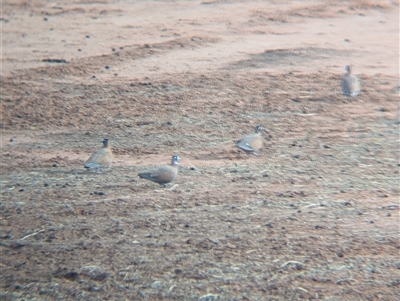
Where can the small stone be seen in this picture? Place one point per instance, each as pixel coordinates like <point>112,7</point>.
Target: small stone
<point>45,19</point>
<point>55,165</point>
<point>107,67</point>
<point>94,272</point>
<point>87,37</point>
<point>71,275</point>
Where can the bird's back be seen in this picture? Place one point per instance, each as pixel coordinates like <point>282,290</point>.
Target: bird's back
<point>161,175</point>
<point>351,85</point>
<point>100,158</point>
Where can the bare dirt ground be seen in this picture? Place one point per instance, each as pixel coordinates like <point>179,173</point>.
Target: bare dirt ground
<point>314,217</point>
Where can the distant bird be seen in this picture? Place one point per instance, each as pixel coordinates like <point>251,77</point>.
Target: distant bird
<point>351,84</point>
<point>162,174</point>
<point>251,144</point>
<point>100,158</point>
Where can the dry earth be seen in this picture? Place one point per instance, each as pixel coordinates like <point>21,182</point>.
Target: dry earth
<point>314,217</point>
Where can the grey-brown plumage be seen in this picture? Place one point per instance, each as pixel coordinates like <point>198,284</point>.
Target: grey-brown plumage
<point>162,174</point>
<point>351,84</point>
<point>251,144</point>
<point>100,158</point>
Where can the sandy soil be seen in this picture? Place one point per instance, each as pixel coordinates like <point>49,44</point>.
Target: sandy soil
<point>314,217</point>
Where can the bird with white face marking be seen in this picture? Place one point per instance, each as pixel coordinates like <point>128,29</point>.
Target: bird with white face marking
<point>100,158</point>
<point>251,144</point>
<point>162,174</point>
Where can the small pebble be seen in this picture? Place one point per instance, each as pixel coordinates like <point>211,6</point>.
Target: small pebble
<point>45,19</point>
<point>107,67</point>
<point>71,275</point>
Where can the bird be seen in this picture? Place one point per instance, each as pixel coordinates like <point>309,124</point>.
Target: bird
<point>251,144</point>
<point>100,158</point>
<point>351,84</point>
<point>162,174</point>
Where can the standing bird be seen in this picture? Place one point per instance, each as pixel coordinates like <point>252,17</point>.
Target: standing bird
<point>162,174</point>
<point>351,84</point>
<point>251,144</point>
<point>100,158</point>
